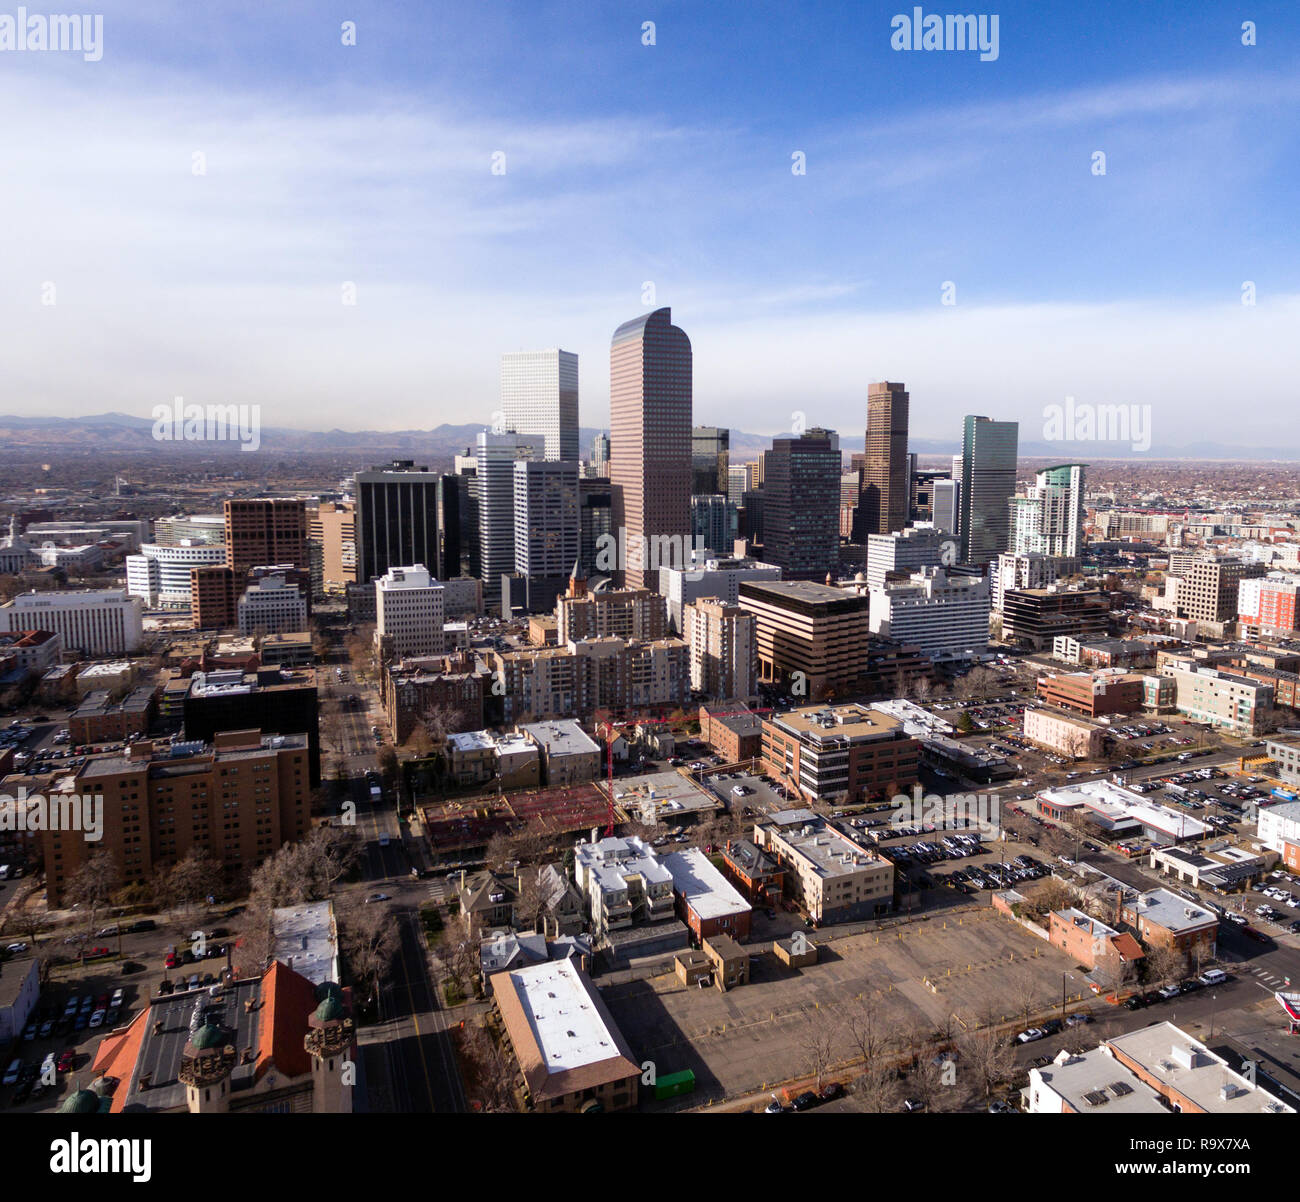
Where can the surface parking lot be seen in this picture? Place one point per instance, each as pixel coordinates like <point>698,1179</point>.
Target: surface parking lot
<point>914,975</point>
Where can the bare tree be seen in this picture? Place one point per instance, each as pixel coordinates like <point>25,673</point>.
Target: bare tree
<point>988,1054</point>
<point>91,887</point>
<point>1165,964</point>
<point>492,1075</point>
<point>878,1089</point>
<point>866,1033</point>
<point>369,940</point>
<point>1114,975</point>
<point>818,1043</point>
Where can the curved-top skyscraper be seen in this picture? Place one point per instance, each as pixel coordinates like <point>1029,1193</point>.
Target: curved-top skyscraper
<point>650,444</point>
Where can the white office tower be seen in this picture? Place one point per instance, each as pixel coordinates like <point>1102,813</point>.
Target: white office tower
<point>410,608</point>
<point>547,521</point>
<point>1031,570</point>
<point>271,605</point>
<point>160,574</point>
<point>494,492</point>
<point>1048,519</point>
<point>921,545</point>
<point>946,508</point>
<point>539,395</point>
<point>103,621</point>
<point>947,617</point>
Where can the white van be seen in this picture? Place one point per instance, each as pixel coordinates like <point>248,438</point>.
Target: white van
<point>1213,976</point>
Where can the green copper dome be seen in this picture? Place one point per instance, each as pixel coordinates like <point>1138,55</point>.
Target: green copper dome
<point>328,989</point>
<point>208,1036</point>
<point>81,1102</point>
<point>330,1010</point>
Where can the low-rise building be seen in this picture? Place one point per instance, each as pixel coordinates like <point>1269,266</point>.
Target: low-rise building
<point>1064,733</point>
<point>831,878</point>
<point>1239,705</point>
<point>756,874</point>
<point>848,752</point>
<point>1163,919</point>
<point>1093,694</point>
<point>732,730</point>
<point>706,901</point>
<point>623,883</point>
<point>569,755</point>
<point>571,1054</point>
<point>1089,941</point>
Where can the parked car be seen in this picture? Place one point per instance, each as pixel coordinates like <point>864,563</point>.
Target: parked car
<point>804,1101</point>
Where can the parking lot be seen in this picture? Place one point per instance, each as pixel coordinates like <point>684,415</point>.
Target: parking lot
<point>82,1003</point>
<point>914,976</point>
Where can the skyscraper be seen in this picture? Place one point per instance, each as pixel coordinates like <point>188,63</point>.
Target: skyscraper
<point>405,514</point>
<point>266,530</point>
<point>886,469</point>
<point>494,485</point>
<point>1048,519</point>
<point>801,504</point>
<point>650,370</point>
<point>539,395</point>
<point>988,479</point>
<point>710,450</point>
<point>546,518</point>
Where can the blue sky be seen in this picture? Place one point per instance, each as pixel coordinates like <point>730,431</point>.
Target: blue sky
<point>671,164</point>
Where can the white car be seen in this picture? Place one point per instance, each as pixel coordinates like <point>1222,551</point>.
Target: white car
<point>15,948</point>
<point>1034,1033</point>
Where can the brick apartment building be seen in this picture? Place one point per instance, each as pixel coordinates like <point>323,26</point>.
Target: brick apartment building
<point>241,798</point>
<point>731,730</point>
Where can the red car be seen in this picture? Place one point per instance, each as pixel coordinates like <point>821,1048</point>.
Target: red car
<point>67,1060</point>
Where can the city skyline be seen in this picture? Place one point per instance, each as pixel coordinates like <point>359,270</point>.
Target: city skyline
<point>1077,267</point>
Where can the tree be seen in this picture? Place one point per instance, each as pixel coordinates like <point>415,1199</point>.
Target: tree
<point>1049,895</point>
<point>492,1076</point>
<point>368,938</point>
<point>190,881</point>
<point>818,1044</point>
<point>1115,975</point>
<point>90,888</point>
<point>877,1088</point>
<point>988,1053</point>
<point>866,1033</point>
<point>1164,964</point>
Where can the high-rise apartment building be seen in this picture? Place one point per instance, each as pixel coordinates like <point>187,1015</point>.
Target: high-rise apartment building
<point>650,382</point>
<point>539,395</point>
<point>1269,606</point>
<point>1048,519</point>
<point>906,551</point>
<point>406,514</point>
<point>724,653</point>
<point>240,798</point>
<point>266,530</point>
<point>624,613</point>
<point>801,494</point>
<point>886,468</point>
<point>988,479</point>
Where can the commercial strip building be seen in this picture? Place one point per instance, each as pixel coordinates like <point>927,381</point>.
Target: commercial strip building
<point>809,635</point>
<point>1163,919</point>
<point>830,877</point>
<point>843,753</point>
<point>1116,812</point>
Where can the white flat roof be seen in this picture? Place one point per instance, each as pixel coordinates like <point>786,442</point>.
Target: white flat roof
<point>1095,1083</point>
<point>306,935</point>
<point>706,890</point>
<point>568,1028</point>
